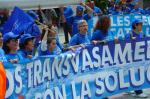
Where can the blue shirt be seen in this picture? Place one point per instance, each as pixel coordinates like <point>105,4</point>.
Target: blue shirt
<point>2,56</point>
<point>97,10</point>
<point>14,56</point>
<point>56,51</point>
<point>138,11</point>
<point>24,54</point>
<point>79,39</point>
<point>133,34</point>
<point>73,21</point>
<point>99,35</point>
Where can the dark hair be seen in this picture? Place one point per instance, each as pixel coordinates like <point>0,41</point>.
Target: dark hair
<point>5,47</point>
<point>22,45</point>
<point>133,26</point>
<point>103,24</point>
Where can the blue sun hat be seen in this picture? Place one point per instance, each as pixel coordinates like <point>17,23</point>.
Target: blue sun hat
<point>9,36</point>
<point>24,37</point>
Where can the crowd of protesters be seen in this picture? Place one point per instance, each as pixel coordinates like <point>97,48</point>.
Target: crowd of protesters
<point>38,41</point>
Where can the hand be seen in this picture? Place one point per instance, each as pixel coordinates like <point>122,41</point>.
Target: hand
<point>133,38</point>
<point>29,56</point>
<point>94,42</point>
<point>116,40</point>
<point>13,60</point>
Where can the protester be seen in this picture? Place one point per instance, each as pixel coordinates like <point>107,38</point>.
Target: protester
<point>68,12</point>
<point>137,33</point>
<point>10,47</point>
<point>2,54</point>
<point>81,37</point>
<point>51,47</point>
<point>49,43</point>
<point>26,45</point>
<point>101,31</point>
<point>118,10</point>
<point>72,21</point>
<point>137,9</point>
<point>34,30</point>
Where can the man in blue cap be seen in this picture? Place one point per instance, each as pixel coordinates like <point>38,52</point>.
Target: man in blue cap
<point>26,45</point>
<point>136,32</point>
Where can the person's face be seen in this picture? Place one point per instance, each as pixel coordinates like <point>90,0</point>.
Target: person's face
<point>83,28</point>
<point>79,13</point>
<point>1,39</point>
<point>30,45</point>
<point>52,45</point>
<point>139,27</point>
<point>13,44</point>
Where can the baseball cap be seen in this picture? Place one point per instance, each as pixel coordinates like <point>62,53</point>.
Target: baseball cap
<point>24,37</point>
<point>80,8</point>
<point>137,21</point>
<point>10,35</point>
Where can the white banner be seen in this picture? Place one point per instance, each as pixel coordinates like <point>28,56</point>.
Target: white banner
<point>33,4</point>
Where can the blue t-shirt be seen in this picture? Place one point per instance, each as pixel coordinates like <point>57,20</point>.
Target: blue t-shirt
<point>133,34</point>
<point>97,10</point>
<point>14,56</point>
<point>73,21</point>
<point>99,35</point>
<point>138,11</point>
<point>24,54</point>
<point>56,51</point>
<point>2,55</point>
<point>79,39</point>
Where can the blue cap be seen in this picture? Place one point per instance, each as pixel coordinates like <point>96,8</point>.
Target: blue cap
<point>24,37</point>
<point>136,21</point>
<point>33,14</point>
<point>80,8</point>
<point>9,35</point>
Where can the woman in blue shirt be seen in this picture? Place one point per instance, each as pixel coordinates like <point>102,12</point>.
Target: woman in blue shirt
<point>101,31</point>
<point>10,47</point>
<point>26,45</point>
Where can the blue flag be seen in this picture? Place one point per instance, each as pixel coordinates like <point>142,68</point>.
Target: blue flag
<point>18,22</point>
